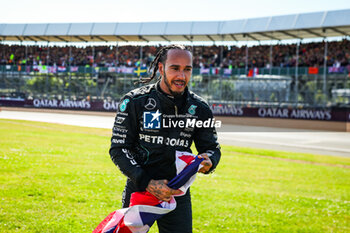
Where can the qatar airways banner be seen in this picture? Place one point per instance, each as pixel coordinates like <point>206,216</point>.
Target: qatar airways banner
<point>327,114</point>
<point>96,105</point>
<point>64,104</point>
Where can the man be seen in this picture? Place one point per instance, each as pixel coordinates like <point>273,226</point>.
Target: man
<point>153,122</point>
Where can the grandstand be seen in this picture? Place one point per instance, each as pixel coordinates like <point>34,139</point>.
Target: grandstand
<point>283,55</point>
<point>309,25</point>
<point>303,75</point>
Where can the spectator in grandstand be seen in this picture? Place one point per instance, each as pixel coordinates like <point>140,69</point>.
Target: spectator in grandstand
<point>150,164</point>
<point>283,55</point>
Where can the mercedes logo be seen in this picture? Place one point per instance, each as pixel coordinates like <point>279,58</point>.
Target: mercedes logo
<point>151,104</point>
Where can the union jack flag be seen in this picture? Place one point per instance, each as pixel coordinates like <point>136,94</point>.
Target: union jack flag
<point>145,208</point>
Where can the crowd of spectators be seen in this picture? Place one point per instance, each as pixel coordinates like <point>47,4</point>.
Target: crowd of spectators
<point>283,55</point>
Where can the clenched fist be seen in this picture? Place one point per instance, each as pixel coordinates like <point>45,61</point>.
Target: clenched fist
<point>207,164</point>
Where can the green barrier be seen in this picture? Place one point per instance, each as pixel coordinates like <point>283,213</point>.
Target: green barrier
<point>195,71</point>
<point>81,69</point>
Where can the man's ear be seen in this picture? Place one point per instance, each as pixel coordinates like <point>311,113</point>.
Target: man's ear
<point>161,68</point>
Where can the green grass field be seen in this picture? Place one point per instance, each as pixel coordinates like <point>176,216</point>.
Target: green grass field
<point>57,178</point>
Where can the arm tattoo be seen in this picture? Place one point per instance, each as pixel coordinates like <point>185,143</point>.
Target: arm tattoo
<point>156,187</point>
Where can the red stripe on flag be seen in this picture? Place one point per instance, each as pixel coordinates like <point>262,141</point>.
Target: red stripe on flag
<point>143,198</point>
<point>102,225</point>
<point>122,228</point>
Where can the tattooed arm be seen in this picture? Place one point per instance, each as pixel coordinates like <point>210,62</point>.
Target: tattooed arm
<point>160,190</point>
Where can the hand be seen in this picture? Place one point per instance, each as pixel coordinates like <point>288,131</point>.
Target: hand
<point>160,190</point>
<point>207,164</point>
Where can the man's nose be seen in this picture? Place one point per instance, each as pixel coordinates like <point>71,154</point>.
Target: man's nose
<point>181,74</point>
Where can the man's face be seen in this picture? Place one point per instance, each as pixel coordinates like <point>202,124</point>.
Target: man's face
<point>176,72</point>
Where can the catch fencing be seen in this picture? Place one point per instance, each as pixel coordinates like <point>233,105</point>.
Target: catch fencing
<point>259,91</point>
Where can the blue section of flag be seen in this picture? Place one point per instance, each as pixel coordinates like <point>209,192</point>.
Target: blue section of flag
<point>185,174</point>
<point>149,218</point>
<point>111,230</point>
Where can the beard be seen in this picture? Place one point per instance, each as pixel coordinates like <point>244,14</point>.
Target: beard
<point>173,93</point>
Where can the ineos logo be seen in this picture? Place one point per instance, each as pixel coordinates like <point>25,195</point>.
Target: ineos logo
<point>151,104</point>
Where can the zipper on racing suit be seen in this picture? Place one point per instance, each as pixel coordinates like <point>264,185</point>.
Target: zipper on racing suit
<point>175,110</point>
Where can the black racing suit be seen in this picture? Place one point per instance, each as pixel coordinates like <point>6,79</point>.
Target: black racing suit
<point>147,132</point>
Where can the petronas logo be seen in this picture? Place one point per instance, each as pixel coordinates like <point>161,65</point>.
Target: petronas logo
<point>192,109</point>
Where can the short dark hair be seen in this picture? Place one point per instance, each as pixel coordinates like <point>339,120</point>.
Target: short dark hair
<point>161,56</point>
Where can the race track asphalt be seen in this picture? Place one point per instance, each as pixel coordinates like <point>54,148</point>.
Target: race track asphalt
<point>307,141</point>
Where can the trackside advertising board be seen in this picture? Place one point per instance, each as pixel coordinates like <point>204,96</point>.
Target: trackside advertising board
<point>322,114</point>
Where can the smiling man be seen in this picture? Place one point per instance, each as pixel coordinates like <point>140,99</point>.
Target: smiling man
<point>176,72</point>
<point>143,146</point>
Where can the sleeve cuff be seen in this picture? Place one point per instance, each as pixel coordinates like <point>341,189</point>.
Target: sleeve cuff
<point>143,181</point>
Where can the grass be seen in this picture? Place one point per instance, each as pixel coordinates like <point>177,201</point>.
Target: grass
<point>57,178</point>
